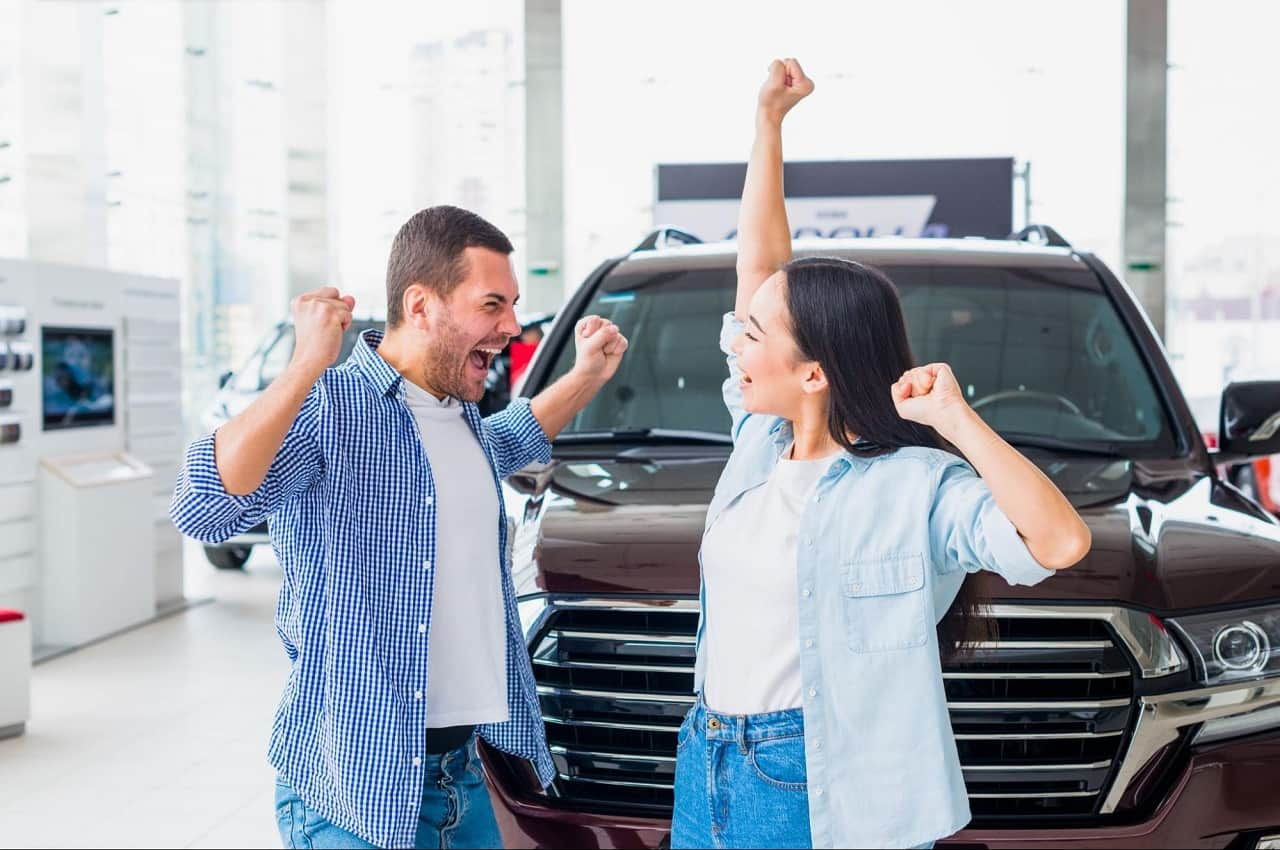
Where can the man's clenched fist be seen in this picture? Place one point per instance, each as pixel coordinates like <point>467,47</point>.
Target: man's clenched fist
<point>600,348</point>
<point>320,317</point>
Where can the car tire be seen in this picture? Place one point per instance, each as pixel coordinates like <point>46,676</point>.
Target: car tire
<point>228,557</point>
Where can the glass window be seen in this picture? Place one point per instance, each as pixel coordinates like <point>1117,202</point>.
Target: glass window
<point>1038,353</point>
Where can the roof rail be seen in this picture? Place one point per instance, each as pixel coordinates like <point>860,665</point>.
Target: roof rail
<point>665,236</point>
<point>1041,234</point>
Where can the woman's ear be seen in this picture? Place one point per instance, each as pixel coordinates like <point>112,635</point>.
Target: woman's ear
<point>816,380</point>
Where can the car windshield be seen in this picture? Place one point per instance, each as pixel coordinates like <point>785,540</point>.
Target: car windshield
<point>1039,353</point>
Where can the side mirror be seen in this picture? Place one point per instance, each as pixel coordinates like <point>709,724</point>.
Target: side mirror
<point>224,377</point>
<point>1249,424</point>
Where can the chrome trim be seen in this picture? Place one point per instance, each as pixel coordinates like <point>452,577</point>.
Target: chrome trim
<point>608,724</point>
<point>1150,644</point>
<point>1043,644</point>
<point>1037,736</point>
<point>619,783</point>
<point>575,634</point>
<point>667,786</point>
<point>602,665</point>
<point>1162,717</point>
<point>1034,768</point>
<point>1123,674</point>
<point>681,699</point>
<point>1054,796</point>
<point>558,750</point>
<point>634,696</point>
<point>1062,705</point>
<point>628,604</point>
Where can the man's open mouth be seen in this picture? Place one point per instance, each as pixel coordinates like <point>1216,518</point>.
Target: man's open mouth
<point>482,358</point>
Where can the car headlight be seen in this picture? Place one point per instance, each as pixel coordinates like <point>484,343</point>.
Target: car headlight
<point>1233,646</point>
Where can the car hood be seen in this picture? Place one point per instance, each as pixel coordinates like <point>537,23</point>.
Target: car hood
<point>1164,537</point>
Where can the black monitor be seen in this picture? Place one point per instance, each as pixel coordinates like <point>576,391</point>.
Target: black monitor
<point>78,377</point>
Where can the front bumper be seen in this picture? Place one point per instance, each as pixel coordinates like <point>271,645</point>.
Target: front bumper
<point>1222,795</point>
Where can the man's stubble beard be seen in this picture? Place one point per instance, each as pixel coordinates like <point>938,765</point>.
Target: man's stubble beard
<point>445,365</point>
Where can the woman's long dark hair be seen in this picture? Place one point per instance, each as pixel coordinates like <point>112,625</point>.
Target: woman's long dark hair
<point>848,318</point>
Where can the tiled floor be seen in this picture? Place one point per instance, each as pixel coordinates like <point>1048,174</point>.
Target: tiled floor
<point>157,737</point>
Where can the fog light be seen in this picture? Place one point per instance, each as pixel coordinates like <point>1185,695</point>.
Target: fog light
<point>1243,646</point>
<point>1268,842</point>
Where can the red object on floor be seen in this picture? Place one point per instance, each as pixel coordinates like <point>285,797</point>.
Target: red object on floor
<point>8,615</point>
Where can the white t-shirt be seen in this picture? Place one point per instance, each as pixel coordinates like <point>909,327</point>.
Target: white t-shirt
<point>467,648</point>
<point>752,632</point>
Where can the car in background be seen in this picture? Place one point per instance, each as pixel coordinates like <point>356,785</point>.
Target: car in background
<point>1131,701</point>
<point>238,388</point>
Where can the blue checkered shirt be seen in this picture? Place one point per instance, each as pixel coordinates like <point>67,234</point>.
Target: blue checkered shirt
<point>350,498</point>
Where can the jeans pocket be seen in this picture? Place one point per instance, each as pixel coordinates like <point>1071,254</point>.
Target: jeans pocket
<point>886,603</point>
<point>780,762</point>
<point>685,733</point>
<point>474,772</point>
<point>291,818</point>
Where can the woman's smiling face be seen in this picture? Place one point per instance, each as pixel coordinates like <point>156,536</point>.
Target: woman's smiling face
<point>774,373</point>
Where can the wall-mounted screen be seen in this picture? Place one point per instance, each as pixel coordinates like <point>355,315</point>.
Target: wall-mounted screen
<point>77,370</point>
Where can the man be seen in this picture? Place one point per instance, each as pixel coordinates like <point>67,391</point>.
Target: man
<point>397,609</point>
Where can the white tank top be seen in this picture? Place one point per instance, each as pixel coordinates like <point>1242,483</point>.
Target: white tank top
<point>752,632</point>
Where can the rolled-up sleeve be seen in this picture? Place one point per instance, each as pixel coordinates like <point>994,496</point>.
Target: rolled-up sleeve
<point>203,509</point>
<point>516,438</point>
<point>969,531</point>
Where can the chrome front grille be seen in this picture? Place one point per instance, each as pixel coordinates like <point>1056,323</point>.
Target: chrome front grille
<point>1040,715</point>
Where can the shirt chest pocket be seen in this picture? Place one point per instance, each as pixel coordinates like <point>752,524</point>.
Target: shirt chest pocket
<point>885,603</point>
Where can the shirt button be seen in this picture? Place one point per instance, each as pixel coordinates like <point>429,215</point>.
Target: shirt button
<point>807,592</point>
<point>808,541</point>
<point>417,762</point>
<point>422,628</point>
<point>430,501</point>
<point>808,644</point>
<point>813,692</point>
<point>856,587</point>
<point>426,565</point>
<point>417,694</point>
<point>817,792</point>
<point>817,745</point>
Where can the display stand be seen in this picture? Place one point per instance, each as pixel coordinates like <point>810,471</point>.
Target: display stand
<point>98,546</point>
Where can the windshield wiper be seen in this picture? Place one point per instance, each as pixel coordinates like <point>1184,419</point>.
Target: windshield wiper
<point>645,436</point>
<point>1053,444</point>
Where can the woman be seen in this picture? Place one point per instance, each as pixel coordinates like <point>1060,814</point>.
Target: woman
<point>839,534</point>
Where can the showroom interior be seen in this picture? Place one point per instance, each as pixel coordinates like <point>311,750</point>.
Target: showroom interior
<point>1076,203</point>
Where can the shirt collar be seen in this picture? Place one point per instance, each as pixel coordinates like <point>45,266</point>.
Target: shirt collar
<point>783,435</point>
<point>376,371</point>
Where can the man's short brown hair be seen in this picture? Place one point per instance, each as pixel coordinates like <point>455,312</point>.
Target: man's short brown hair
<point>429,250</point>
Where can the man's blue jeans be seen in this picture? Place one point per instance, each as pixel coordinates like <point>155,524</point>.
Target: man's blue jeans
<point>455,812</point>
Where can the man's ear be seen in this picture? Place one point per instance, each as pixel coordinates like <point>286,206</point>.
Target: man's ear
<point>420,306</point>
<point>816,380</point>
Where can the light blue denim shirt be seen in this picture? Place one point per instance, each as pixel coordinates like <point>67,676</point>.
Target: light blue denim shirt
<point>884,546</point>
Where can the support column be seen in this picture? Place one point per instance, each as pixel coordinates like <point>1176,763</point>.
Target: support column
<point>1145,166</point>
<point>544,155</point>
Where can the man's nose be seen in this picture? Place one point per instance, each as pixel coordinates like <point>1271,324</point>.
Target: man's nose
<point>510,326</point>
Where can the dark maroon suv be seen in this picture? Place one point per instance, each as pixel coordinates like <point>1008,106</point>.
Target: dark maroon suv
<point>1132,701</point>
